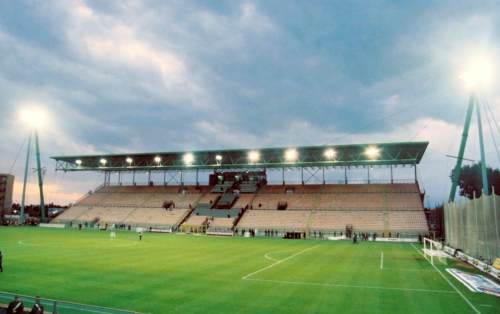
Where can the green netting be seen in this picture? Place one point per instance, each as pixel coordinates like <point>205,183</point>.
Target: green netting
<point>472,226</point>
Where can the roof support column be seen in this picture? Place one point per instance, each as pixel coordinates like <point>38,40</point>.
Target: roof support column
<point>392,176</point>
<point>197,183</point>
<point>133,177</point>
<point>302,175</point>
<point>345,175</point>
<point>105,178</point>
<point>149,177</point>
<point>415,172</point>
<point>283,175</point>
<point>164,177</point>
<point>323,175</point>
<point>368,167</point>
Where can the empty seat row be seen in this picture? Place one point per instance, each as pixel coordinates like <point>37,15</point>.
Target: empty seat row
<point>277,219</point>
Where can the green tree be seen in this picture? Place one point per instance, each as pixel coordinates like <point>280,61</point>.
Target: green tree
<point>470,182</point>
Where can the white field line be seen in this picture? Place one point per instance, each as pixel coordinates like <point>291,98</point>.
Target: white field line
<point>269,257</point>
<point>450,283</point>
<point>279,262</point>
<point>118,245</point>
<point>352,286</point>
<point>381,260</point>
<point>409,269</point>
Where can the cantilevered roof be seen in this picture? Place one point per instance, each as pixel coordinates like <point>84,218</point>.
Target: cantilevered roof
<point>405,153</point>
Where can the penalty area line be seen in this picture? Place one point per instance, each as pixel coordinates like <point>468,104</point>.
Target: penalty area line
<point>278,262</point>
<point>450,283</point>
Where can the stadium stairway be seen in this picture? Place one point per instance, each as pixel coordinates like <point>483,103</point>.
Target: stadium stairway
<point>309,219</point>
<point>386,213</point>
<point>245,209</point>
<point>183,219</point>
<point>190,212</point>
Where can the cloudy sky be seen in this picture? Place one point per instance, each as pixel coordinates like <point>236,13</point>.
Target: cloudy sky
<point>134,76</point>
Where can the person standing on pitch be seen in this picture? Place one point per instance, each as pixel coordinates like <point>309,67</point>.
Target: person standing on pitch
<point>1,262</point>
<point>140,236</point>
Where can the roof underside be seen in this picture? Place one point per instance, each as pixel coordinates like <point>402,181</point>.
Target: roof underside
<point>407,153</point>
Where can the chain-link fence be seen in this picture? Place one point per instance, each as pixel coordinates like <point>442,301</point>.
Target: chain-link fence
<point>472,226</point>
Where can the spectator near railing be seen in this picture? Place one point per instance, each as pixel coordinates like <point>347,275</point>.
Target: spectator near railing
<point>17,304</point>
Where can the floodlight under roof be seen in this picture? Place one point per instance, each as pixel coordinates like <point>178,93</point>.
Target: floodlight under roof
<point>129,160</point>
<point>291,155</point>
<point>157,159</point>
<point>372,152</point>
<point>103,161</point>
<point>188,158</point>
<point>218,158</point>
<point>253,156</point>
<point>78,162</point>
<point>330,154</point>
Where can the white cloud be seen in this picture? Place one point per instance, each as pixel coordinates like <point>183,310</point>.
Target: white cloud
<point>148,59</point>
<point>252,19</point>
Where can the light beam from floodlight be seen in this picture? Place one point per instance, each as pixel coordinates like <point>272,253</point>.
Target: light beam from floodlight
<point>103,161</point>
<point>78,162</point>
<point>291,155</point>
<point>218,158</point>
<point>188,158</point>
<point>330,154</point>
<point>157,159</point>
<point>253,156</point>
<point>129,160</point>
<point>372,152</point>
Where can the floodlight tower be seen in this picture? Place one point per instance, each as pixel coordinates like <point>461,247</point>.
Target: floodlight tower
<point>32,118</point>
<point>472,80</point>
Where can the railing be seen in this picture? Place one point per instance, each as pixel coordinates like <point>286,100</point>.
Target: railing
<point>270,180</point>
<point>63,307</point>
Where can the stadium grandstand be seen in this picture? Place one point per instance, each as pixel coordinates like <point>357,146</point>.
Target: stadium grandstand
<point>238,197</point>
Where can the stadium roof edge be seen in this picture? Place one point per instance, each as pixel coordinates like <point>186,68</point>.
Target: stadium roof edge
<point>392,153</point>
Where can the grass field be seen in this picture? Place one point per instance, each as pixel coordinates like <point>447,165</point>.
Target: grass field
<point>198,274</point>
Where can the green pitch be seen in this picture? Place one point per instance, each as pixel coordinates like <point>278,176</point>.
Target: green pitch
<point>197,274</point>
